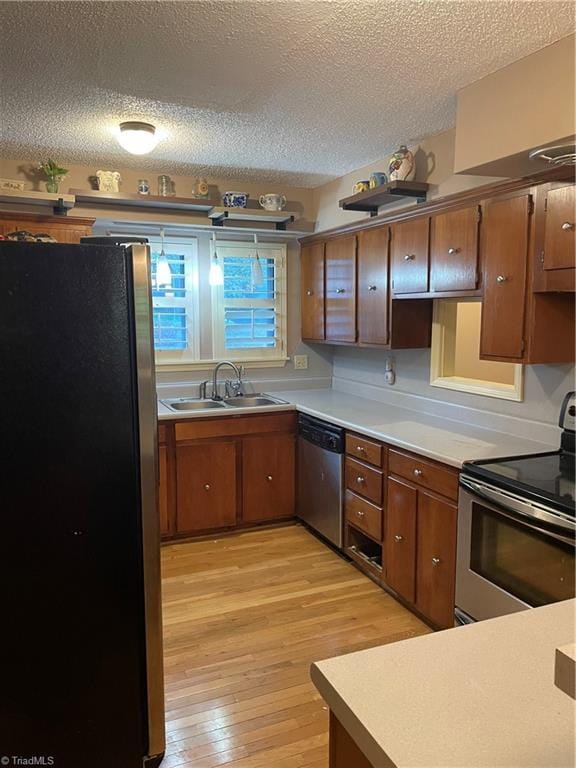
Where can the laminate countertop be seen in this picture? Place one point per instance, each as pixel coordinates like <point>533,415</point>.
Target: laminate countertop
<point>449,441</point>
<point>477,696</point>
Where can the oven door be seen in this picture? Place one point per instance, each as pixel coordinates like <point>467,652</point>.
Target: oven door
<point>512,555</point>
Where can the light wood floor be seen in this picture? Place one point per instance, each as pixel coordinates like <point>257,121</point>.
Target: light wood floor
<point>244,617</point>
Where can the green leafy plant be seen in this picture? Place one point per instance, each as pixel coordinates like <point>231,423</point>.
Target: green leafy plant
<point>52,170</point>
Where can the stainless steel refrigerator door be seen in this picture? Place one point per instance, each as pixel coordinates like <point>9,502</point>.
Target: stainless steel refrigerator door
<point>147,409</point>
<point>320,490</point>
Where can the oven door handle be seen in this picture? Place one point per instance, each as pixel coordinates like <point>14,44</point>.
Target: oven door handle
<point>514,508</point>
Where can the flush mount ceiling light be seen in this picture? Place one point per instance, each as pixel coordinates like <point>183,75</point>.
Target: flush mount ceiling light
<point>561,154</point>
<point>137,138</point>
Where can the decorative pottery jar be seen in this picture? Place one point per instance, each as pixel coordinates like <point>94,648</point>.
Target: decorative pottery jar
<point>402,166</point>
<point>377,179</point>
<point>201,188</point>
<point>272,202</point>
<point>235,199</point>
<point>361,186</point>
<point>143,187</point>
<point>108,181</point>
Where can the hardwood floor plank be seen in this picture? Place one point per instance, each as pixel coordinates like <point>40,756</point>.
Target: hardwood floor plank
<point>244,617</point>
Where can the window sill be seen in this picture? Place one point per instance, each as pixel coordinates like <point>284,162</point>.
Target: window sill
<point>207,365</point>
<point>484,388</point>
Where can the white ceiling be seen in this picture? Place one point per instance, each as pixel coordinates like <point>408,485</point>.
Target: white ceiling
<point>288,91</point>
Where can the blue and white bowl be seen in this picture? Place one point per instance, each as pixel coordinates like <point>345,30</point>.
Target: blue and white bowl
<point>235,199</point>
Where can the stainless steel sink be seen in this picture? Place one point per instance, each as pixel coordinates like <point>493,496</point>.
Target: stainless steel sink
<point>183,404</point>
<point>252,401</point>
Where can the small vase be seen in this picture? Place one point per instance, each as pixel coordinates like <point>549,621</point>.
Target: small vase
<point>52,185</point>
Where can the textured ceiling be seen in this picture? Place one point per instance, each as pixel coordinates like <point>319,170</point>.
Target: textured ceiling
<point>287,91</point>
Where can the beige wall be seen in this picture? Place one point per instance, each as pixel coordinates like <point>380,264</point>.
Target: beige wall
<point>501,117</point>
<point>467,364</point>
<point>434,165</point>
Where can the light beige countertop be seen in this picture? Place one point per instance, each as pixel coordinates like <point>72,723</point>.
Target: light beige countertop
<point>445,440</point>
<point>477,696</point>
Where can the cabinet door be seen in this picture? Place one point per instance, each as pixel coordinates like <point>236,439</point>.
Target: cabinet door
<point>163,490</point>
<point>341,289</point>
<point>205,486</point>
<point>409,256</point>
<point>400,538</point>
<point>312,291</point>
<point>373,286</point>
<point>454,250</point>
<point>268,477</point>
<point>560,223</point>
<point>436,559</point>
<point>504,240</point>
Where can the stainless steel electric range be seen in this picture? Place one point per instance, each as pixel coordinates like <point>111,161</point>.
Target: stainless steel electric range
<point>516,530</point>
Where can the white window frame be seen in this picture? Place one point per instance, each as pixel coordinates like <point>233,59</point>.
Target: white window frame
<point>443,332</point>
<point>189,249</point>
<point>276,355</point>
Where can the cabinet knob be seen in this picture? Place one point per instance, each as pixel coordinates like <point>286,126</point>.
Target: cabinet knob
<point>360,479</point>
<point>409,257</point>
<point>398,538</point>
<point>435,561</point>
<point>452,251</point>
<point>501,278</point>
<point>360,513</point>
<point>309,293</point>
<point>207,487</point>
<point>340,290</point>
<point>372,287</point>
<point>567,226</point>
<point>417,473</point>
<point>269,478</point>
<point>360,449</point>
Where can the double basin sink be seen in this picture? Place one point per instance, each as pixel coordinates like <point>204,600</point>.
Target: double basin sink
<point>242,401</point>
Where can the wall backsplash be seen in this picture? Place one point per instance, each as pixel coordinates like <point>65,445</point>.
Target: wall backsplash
<point>544,389</point>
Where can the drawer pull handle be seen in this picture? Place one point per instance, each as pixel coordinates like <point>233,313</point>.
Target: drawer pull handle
<point>360,449</point>
<point>452,251</point>
<point>567,226</point>
<point>409,257</point>
<point>501,279</point>
<point>309,293</point>
<point>372,287</point>
<point>398,538</point>
<point>207,487</point>
<point>360,513</point>
<point>435,561</point>
<point>418,473</point>
<point>269,478</point>
<point>360,480</point>
<point>340,290</point>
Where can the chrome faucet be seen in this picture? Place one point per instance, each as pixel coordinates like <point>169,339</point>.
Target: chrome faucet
<point>237,385</point>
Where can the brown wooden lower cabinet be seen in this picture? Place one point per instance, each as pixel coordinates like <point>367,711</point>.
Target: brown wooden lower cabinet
<point>268,477</point>
<point>400,539</point>
<point>344,752</point>
<point>221,473</point>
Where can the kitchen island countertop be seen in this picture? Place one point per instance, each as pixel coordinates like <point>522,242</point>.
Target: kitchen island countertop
<point>445,440</point>
<point>477,696</point>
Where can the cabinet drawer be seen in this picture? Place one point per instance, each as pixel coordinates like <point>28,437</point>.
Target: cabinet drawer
<point>432,476</point>
<point>364,515</point>
<point>364,480</point>
<point>366,450</point>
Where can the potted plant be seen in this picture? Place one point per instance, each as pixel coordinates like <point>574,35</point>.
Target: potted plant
<point>54,172</point>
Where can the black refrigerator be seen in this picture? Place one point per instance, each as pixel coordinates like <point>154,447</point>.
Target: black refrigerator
<point>81,672</point>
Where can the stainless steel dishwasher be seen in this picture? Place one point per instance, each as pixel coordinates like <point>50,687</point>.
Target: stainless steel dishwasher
<point>320,469</point>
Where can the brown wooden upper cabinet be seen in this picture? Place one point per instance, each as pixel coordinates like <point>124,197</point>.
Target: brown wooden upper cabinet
<point>505,228</point>
<point>409,256</point>
<point>340,266</point>
<point>373,286</point>
<point>454,250</point>
<point>312,291</point>
<point>560,225</point>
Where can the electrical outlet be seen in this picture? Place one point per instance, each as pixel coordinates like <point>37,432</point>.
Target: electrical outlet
<point>300,362</point>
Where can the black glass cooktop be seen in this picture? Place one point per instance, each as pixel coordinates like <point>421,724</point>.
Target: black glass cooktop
<point>545,477</point>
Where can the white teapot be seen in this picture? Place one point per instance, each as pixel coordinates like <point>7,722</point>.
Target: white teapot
<point>272,202</point>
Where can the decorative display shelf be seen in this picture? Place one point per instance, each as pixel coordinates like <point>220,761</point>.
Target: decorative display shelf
<point>219,215</point>
<point>143,201</point>
<point>59,203</point>
<point>372,199</point>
